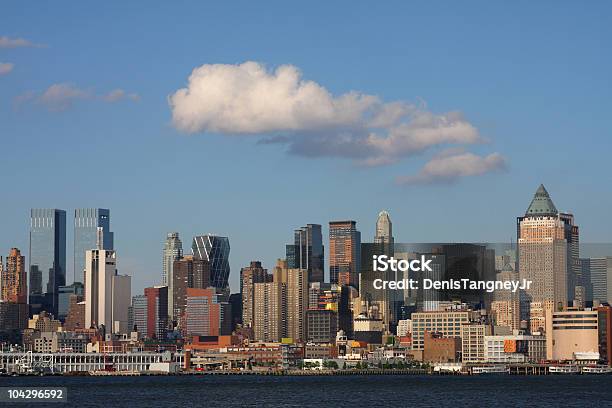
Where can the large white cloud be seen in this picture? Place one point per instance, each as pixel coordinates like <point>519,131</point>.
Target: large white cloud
<point>448,168</point>
<point>281,107</point>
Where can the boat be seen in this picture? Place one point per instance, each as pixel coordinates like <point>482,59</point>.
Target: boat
<point>496,369</point>
<point>596,369</point>
<point>563,369</point>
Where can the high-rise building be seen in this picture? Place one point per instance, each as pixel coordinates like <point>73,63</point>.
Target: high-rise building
<point>604,328</point>
<point>13,278</point>
<point>543,252</point>
<point>307,252</point>
<point>208,313</point>
<point>157,312</point>
<point>344,253</point>
<point>47,258</point>
<point>297,303</point>
<point>600,270</point>
<point>91,231</point>
<point>187,273</point>
<point>215,250</point>
<point>138,318</point>
<point>384,229</point>
<point>505,307</point>
<point>173,251</point>
<point>107,294</point>
<point>575,285</point>
<point>250,275</point>
<point>269,311</point>
<point>63,298</point>
<point>122,296</point>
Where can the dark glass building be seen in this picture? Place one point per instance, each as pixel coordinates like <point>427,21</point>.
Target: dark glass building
<point>215,250</point>
<point>86,235</point>
<point>47,258</point>
<point>307,252</point>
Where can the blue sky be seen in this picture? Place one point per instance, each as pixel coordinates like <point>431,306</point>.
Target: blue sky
<point>533,78</point>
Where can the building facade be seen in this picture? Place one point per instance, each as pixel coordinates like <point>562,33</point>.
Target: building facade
<point>91,231</point>
<point>215,250</point>
<point>307,252</point>
<point>47,258</point>
<point>344,253</point>
<point>13,278</point>
<point>173,251</point>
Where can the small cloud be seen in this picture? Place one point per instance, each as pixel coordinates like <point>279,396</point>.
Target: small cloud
<point>7,42</point>
<point>6,67</point>
<point>59,97</point>
<point>449,167</point>
<point>119,94</point>
<point>62,96</point>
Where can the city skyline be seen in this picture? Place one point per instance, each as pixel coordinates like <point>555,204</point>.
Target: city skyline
<point>516,81</point>
<point>154,279</point>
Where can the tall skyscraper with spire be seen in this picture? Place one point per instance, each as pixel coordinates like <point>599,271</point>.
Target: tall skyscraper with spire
<point>383,242</point>
<point>547,246</point>
<point>173,251</point>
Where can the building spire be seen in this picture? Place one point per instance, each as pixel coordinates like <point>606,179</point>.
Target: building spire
<point>541,204</point>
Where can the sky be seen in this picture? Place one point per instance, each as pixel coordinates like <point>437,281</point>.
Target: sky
<point>250,119</point>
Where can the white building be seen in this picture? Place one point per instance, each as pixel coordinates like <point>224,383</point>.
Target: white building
<point>404,327</point>
<point>107,295</point>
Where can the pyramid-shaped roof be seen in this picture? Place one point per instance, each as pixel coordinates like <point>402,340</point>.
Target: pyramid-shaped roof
<point>541,205</point>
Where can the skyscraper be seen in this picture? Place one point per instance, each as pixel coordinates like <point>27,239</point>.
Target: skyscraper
<point>307,252</point>
<point>297,303</point>
<point>173,250</point>
<point>215,250</point>
<point>187,273</point>
<point>344,253</point>
<point>601,278</point>
<point>13,278</point>
<point>91,231</point>
<point>139,314</point>
<point>47,258</point>
<point>543,253</point>
<point>157,312</point>
<point>107,294</point>
<point>384,229</point>
<point>208,313</point>
<point>269,311</point>
<point>250,275</point>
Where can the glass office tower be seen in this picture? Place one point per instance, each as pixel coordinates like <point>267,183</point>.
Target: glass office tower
<point>86,224</point>
<point>47,258</point>
<point>307,252</point>
<point>215,250</point>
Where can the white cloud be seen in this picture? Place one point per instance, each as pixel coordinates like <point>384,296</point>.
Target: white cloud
<point>6,67</point>
<point>7,42</point>
<point>248,99</point>
<point>62,96</point>
<point>59,97</point>
<point>118,94</point>
<point>449,167</point>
